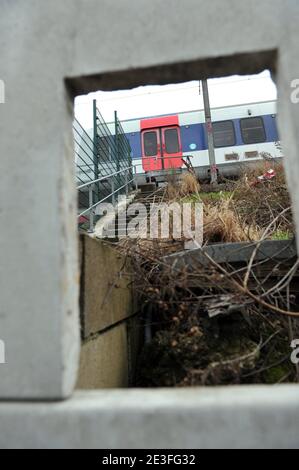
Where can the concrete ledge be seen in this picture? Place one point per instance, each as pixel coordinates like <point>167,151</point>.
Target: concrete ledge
<point>201,418</point>
<point>235,253</point>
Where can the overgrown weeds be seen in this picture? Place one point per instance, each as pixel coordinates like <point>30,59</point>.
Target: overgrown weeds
<point>220,324</point>
<point>243,212</point>
<point>180,188</point>
<point>222,224</point>
<point>214,325</point>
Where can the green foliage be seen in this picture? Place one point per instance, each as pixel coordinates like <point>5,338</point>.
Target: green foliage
<point>282,235</point>
<point>206,197</point>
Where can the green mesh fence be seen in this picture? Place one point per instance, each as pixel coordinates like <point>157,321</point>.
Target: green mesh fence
<point>103,164</point>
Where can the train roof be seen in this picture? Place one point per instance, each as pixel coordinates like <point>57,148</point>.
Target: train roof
<point>200,110</point>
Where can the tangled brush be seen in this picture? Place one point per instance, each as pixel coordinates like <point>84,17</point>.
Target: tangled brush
<point>177,189</point>
<point>222,224</point>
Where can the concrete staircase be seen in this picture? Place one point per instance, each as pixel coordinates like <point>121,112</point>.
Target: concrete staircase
<point>148,194</point>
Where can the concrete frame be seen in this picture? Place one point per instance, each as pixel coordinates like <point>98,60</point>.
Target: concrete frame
<point>52,51</point>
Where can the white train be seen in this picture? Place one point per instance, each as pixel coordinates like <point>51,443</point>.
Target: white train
<point>242,134</point>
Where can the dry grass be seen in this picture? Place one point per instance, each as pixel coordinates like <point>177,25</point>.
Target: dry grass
<point>243,213</point>
<point>222,224</point>
<point>257,204</point>
<point>177,189</point>
<point>250,173</point>
<point>246,211</point>
<point>189,185</point>
<point>248,341</point>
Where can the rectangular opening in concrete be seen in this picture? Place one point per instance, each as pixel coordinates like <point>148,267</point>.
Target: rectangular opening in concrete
<point>118,46</point>
<point>245,136</point>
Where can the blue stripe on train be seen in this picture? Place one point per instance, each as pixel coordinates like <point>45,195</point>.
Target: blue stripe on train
<point>135,142</point>
<point>194,136</point>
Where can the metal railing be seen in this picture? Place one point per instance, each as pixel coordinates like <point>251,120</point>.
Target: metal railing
<point>127,173</point>
<point>104,166</point>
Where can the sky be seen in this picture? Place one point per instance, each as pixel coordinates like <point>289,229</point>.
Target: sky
<point>154,100</point>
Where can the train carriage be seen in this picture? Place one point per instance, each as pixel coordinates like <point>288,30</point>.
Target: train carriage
<point>242,134</point>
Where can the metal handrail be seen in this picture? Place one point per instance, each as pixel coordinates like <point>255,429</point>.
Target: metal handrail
<point>103,162</point>
<point>99,155</point>
<point>90,185</point>
<point>103,178</point>
<point>89,209</point>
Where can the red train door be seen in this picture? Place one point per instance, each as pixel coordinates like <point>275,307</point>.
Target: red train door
<point>171,147</point>
<point>151,150</point>
<point>161,143</point>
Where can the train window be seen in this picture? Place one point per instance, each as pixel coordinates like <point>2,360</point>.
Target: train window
<point>224,134</point>
<point>171,141</point>
<point>150,142</point>
<point>253,130</point>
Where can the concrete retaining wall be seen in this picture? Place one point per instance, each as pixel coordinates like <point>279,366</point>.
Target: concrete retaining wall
<point>104,360</point>
<point>106,309</point>
<point>105,288</point>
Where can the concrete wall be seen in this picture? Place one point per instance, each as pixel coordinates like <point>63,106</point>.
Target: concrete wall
<point>51,51</point>
<point>48,57</point>
<point>106,286</point>
<point>104,360</point>
<point>106,305</point>
<point>206,418</point>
